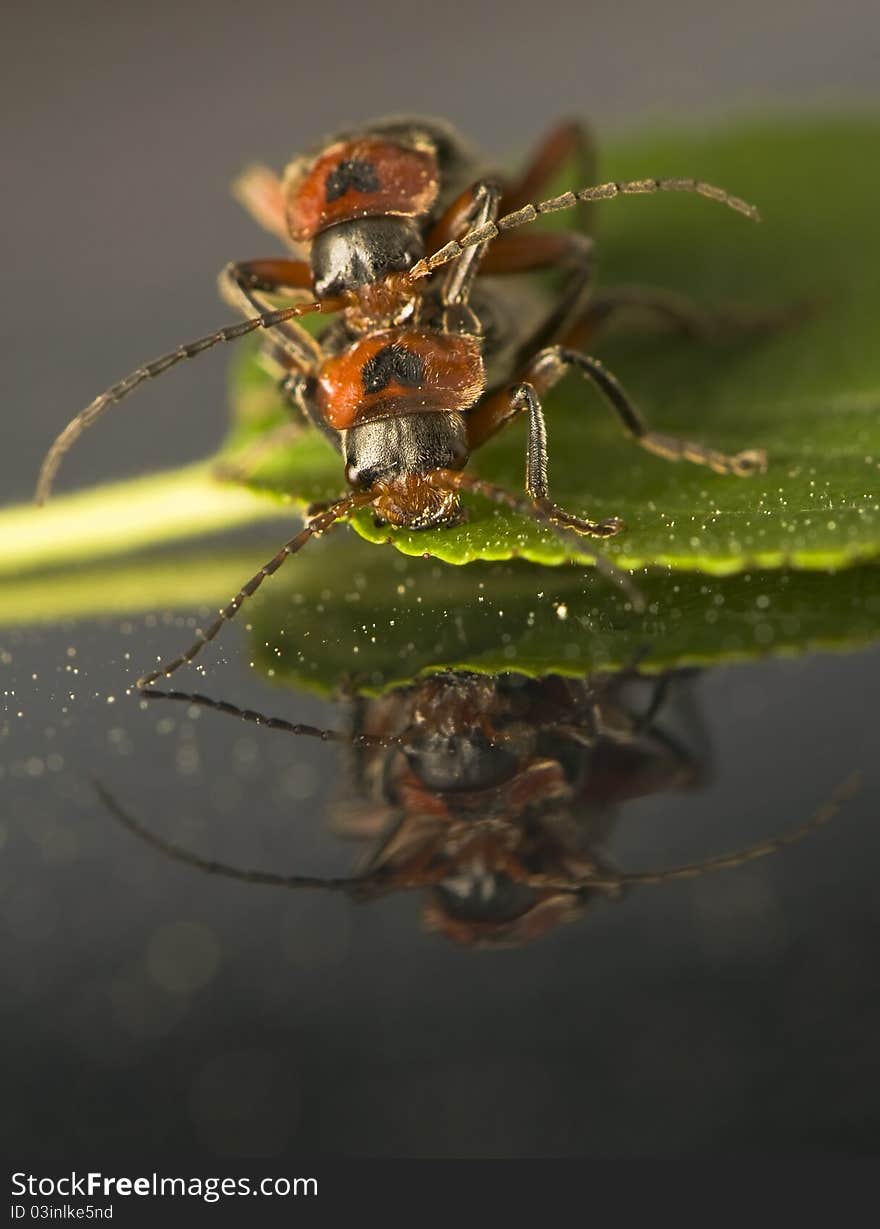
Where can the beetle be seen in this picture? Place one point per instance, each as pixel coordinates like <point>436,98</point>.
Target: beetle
<point>370,203</point>
<point>496,795</point>
<point>421,368</point>
<point>397,188</point>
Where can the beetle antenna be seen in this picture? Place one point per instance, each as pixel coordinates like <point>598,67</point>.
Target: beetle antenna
<point>319,524</point>
<point>607,883</point>
<point>343,883</point>
<point>723,862</point>
<point>273,723</point>
<point>212,867</point>
<point>601,192</point>
<point>74,429</point>
<point>762,849</point>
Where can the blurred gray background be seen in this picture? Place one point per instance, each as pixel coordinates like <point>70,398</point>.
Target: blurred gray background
<point>154,1010</point>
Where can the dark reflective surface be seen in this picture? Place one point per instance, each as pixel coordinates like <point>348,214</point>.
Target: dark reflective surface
<point>148,1007</point>
<point>187,1011</point>
<point>496,794</point>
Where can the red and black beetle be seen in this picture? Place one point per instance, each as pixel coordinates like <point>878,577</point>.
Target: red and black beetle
<point>426,359</point>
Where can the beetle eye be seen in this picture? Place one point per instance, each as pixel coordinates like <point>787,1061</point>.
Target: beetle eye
<point>361,477</point>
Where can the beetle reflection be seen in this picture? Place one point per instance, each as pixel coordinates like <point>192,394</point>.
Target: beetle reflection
<point>500,791</point>
<point>496,795</point>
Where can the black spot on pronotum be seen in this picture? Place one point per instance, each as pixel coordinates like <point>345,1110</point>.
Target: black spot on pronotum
<point>351,175</point>
<point>393,363</point>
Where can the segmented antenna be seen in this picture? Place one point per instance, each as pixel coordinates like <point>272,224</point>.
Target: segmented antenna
<point>607,883</point>
<point>318,525</point>
<point>722,862</point>
<point>212,867</point>
<point>602,192</point>
<point>274,723</point>
<point>118,391</point>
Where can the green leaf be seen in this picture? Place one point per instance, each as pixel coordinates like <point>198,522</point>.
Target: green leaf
<point>384,618</point>
<point>342,609</point>
<point>809,394</point>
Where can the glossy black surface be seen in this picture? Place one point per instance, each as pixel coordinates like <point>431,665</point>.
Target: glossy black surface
<point>182,1011</point>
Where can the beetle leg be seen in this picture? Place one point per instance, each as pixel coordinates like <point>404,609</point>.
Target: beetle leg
<point>243,467</point>
<point>569,142</point>
<point>550,365</point>
<point>289,354</point>
<point>247,285</point>
<point>260,191</point>
<point>523,397</point>
<point>666,307</point>
<point>574,256</point>
<point>460,278</point>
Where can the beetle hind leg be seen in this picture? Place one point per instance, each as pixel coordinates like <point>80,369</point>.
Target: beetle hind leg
<point>655,307</point>
<point>550,365</point>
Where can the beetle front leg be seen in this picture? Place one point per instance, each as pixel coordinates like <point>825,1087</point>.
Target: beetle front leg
<point>460,278</point>
<point>290,355</point>
<point>246,284</point>
<point>524,398</point>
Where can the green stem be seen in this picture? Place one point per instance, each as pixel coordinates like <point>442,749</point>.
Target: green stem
<point>187,580</point>
<point>114,520</point>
